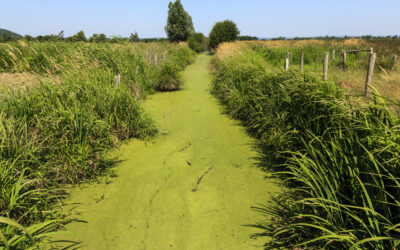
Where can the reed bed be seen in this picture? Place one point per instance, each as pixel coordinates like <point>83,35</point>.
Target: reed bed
<point>54,133</point>
<point>338,161</point>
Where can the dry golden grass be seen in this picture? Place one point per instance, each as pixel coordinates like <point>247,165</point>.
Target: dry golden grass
<point>312,42</point>
<point>229,49</point>
<point>386,83</point>
<point>17,79</point>
<point>25,80</point>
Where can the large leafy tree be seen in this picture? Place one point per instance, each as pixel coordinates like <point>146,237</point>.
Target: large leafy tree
<point>179,24</point>
<point>225,31</point>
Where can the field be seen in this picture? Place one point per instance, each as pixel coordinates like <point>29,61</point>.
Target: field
<point>61,110</point>
<point>335,151</point>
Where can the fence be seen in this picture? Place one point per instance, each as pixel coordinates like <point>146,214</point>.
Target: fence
<point>370,69</point>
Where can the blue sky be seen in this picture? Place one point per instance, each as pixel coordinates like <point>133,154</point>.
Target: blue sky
<point>262,18</point>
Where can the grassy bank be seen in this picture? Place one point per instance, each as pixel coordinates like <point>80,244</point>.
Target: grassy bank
<point>339,160</point>
<point>57,129</point>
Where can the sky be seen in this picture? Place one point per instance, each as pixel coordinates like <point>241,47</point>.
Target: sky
<point>261,18</point>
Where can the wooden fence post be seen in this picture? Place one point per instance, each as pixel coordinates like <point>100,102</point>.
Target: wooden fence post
<point>344,59</point>
<point>156,59</point>
<point>326,61</point>
<point>333,55</point>
<point>372,50</point>
<point>370,72</point>
<point>287,61</point>
<point>302,62</point>
<point>117,80</point>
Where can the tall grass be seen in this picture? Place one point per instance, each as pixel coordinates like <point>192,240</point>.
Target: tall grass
<point>340,162</point>
<point>135,62</point>
<point>53,133</point>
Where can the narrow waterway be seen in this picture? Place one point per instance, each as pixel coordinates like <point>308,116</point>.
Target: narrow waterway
<point>190,188</point>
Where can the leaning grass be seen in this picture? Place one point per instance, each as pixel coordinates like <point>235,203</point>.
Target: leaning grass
<point>58,129</point>
<point>339,160</point>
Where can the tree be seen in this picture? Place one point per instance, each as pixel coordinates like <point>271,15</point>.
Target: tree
<point>98,38</point>
<point>225,31</point>
<point>28,37</point>
<point>179,23</point>
<point>102,38</point>
<point>134,37</point>
<point>61,35</point>
<point>78,37</point>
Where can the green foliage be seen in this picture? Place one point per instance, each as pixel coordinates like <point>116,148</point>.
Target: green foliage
<point>339,161</point>
<point>78,37</point>
<point>52,134</point>
<point>166,82</point>
<point>179,23</point>
<point>28,236</point>
<point>225,31</point>
<point>197,42</point>
<point>98,38</point>
<point>134,37</point>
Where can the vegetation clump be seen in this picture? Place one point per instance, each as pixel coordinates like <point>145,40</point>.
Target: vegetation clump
<point>198,42</point>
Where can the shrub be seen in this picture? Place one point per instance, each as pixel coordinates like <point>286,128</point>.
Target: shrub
<point>198,42</point>
<point>168,79</point>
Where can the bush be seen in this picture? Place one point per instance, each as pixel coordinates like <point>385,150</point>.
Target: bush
<point>198,42</point>
<point>169,79</point>
<point>225,31</point>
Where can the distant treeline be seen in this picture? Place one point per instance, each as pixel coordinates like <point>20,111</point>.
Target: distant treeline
<point>78,37</point>
<point>81,37</point>
<point>247,38</point>
<point>366,37</point>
